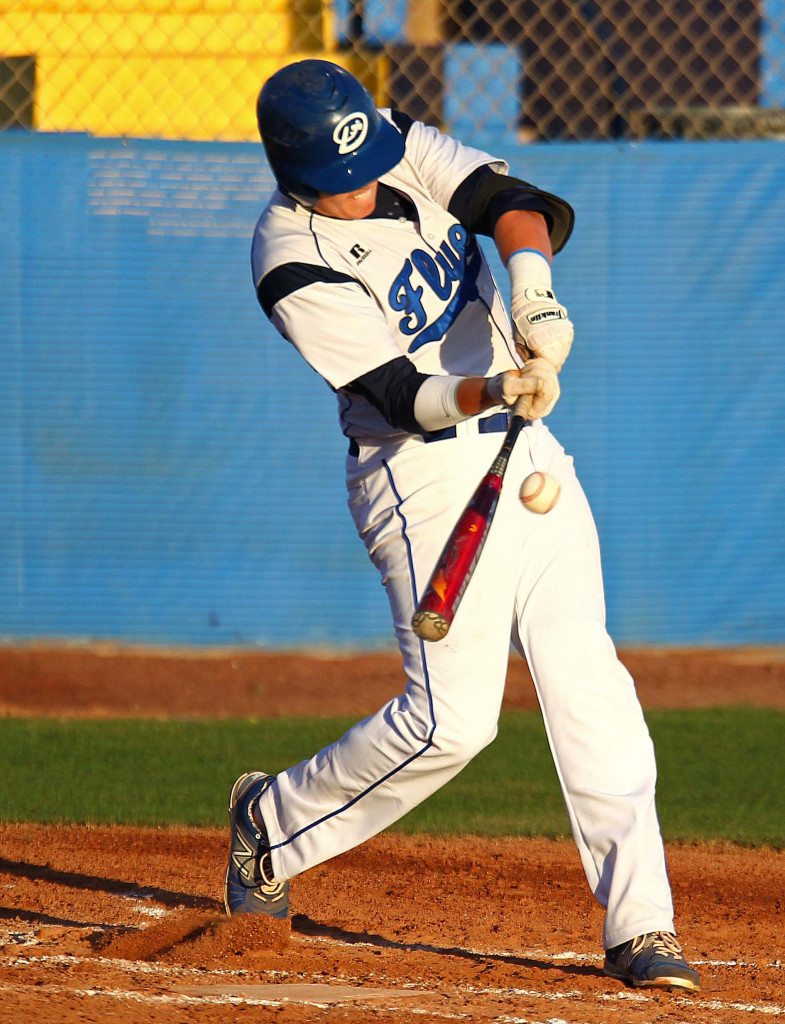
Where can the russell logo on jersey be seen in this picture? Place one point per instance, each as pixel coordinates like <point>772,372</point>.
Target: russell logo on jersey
<point>359,253</point>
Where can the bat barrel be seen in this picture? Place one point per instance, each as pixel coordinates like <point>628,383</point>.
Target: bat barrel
<point>438,605</point>
<point>430,625</point>
<point>435,611</point>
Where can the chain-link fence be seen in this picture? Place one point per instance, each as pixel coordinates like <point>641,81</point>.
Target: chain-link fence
<point>544,70</point>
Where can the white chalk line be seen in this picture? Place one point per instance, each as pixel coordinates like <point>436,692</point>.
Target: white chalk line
<point>131,995</point>
<point>129,966</point>
<point>162,999</point>
<point>157,999</point>
<point>28,939</point>
<point>528,954</point>
<point>135,900</point>
<point>572,995</point>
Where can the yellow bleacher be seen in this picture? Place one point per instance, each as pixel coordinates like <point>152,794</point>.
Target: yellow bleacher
<point>181,69</point>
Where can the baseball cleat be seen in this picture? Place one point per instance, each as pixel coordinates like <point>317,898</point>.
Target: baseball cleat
<point>250,886</point>
<point>653,959</point>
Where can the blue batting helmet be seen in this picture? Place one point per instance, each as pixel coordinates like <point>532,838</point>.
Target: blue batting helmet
<point>322,132</point>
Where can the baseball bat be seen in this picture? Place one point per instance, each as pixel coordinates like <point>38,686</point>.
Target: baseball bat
<point>454,569</point>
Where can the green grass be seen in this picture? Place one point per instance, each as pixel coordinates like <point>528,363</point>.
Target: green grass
<point>721,773</point>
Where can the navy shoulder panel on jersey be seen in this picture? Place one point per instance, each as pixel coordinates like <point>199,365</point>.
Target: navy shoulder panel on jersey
<point>401,121</point>
<point>485,195</point>
<point>290,277</point>
<point>391,388</point>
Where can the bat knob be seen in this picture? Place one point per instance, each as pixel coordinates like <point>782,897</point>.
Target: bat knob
<point>430,625</point>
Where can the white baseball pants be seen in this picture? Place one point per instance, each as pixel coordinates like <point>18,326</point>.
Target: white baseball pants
<point>539,584</point>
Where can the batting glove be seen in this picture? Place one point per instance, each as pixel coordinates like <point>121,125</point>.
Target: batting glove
<point>541,324</point>
<point>535,386</point>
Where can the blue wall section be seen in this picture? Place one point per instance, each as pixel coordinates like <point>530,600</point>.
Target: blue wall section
<point>772,53</point>
<point>675,278</point>
<point>171,473</point>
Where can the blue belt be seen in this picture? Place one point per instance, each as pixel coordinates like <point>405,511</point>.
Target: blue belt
<point>498,423</point>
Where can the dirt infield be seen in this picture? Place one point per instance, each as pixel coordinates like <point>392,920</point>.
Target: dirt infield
<point>109,681</point>
<point>125,926</point>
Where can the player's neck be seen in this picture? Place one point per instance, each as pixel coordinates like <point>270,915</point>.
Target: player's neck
<point>390,203</point>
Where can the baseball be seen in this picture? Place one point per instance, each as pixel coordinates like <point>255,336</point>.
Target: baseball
<point>540,492</point>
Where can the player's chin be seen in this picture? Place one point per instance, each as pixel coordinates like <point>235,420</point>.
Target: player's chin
<point>349,205</point>
<point>361,204</point>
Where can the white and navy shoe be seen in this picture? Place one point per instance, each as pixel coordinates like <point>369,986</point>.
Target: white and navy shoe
<point>649,960</point>
<point>250,886</point>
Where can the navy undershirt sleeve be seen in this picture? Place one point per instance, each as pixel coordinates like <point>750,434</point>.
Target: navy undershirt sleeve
<point>391,388</point>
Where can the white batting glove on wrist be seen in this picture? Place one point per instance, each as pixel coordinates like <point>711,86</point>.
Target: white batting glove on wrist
<point>541,325</point>
<point>535,386</point>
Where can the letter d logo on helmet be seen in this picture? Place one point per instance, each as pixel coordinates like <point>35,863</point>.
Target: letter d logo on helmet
<point>322,133</point>
<point>350,132</point>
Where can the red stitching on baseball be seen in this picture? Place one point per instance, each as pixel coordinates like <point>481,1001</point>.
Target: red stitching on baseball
<point>530,497</point>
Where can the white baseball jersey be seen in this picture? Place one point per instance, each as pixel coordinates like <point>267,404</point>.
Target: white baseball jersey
<point>390,287</point>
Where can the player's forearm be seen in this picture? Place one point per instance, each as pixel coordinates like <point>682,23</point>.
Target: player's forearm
<point>521,229</point>
<point>443,401</point>
<point>541,325</point>
<point>515,230</point>
<point>472,396</point>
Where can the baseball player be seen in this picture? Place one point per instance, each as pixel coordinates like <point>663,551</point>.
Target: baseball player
<point>366,260</point>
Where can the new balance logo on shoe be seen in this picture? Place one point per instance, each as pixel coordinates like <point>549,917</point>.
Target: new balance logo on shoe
<point>250,886</point>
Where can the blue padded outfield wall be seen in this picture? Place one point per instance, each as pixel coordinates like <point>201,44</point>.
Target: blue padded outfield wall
<point>172,473</point>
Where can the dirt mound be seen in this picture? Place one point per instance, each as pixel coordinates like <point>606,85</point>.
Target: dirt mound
<point>195,938</point>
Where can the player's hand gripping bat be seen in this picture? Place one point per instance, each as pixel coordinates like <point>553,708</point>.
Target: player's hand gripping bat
<point>455,567</point>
